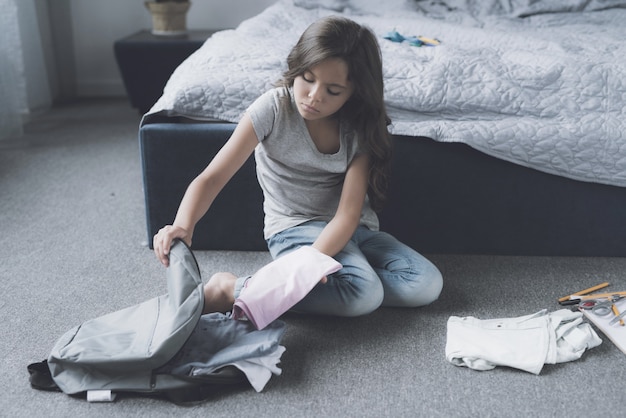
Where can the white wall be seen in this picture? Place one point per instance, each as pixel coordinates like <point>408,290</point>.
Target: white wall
<point>96,24</point>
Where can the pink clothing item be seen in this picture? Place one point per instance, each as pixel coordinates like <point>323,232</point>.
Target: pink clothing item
<point>279,285</point>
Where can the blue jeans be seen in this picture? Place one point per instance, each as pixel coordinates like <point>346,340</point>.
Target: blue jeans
<point>378,270</point>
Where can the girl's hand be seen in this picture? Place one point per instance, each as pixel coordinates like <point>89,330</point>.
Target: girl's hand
<point>162,241</point>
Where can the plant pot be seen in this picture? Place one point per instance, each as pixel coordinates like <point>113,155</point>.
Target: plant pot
<point>168,18</point>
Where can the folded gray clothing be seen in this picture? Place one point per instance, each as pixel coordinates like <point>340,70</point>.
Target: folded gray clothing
<point>218,340</point>
<point>526,342</point>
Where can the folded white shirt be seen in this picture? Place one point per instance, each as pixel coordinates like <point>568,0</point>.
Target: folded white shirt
<point>526,342</point>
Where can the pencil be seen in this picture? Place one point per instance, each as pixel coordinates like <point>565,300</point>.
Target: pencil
<point>584,292</point>
<point>596,296</point>
<point>616,312</point>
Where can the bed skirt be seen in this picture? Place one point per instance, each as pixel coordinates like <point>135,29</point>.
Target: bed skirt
<point>444,198</point>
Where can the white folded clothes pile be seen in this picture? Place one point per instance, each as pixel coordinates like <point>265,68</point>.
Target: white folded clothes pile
<point>525,342</point>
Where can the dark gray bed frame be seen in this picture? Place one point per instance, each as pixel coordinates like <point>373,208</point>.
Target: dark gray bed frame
<point>444,198</point>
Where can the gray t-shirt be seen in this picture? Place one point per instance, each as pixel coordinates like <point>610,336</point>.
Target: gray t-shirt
<point>299,182</point>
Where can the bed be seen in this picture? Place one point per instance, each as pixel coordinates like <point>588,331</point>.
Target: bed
<point>509,130</point>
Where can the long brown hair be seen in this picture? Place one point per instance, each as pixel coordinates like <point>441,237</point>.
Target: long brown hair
<point>337,37</point>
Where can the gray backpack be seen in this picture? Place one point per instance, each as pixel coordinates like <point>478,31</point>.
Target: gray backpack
<point>161,346</point>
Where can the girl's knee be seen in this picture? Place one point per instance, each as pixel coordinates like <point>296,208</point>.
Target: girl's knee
<point>413,290</point>
<point>432,285</point>
<point>359,295</point>
<point>365,301</point>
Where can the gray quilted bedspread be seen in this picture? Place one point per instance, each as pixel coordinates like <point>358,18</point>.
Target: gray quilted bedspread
<point>544,88</point>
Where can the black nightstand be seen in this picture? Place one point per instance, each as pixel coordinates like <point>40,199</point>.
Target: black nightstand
<point>146,62</point>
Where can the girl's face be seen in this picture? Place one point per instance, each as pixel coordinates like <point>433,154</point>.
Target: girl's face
<point>323,89</point>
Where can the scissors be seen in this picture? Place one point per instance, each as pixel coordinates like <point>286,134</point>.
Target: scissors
<point>600,307</point>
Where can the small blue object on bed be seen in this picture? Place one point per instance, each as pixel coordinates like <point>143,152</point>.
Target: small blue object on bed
<point>538,84</point>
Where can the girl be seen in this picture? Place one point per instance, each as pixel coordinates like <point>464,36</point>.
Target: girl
<point>322,154</point>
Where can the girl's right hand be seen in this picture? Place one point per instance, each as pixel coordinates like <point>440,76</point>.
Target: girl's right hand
<point>162,241</point>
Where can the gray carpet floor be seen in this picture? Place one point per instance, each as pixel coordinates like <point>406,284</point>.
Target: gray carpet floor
<point>74,247</point>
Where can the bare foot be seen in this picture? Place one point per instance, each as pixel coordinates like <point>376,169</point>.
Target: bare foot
<point>219,293</point>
